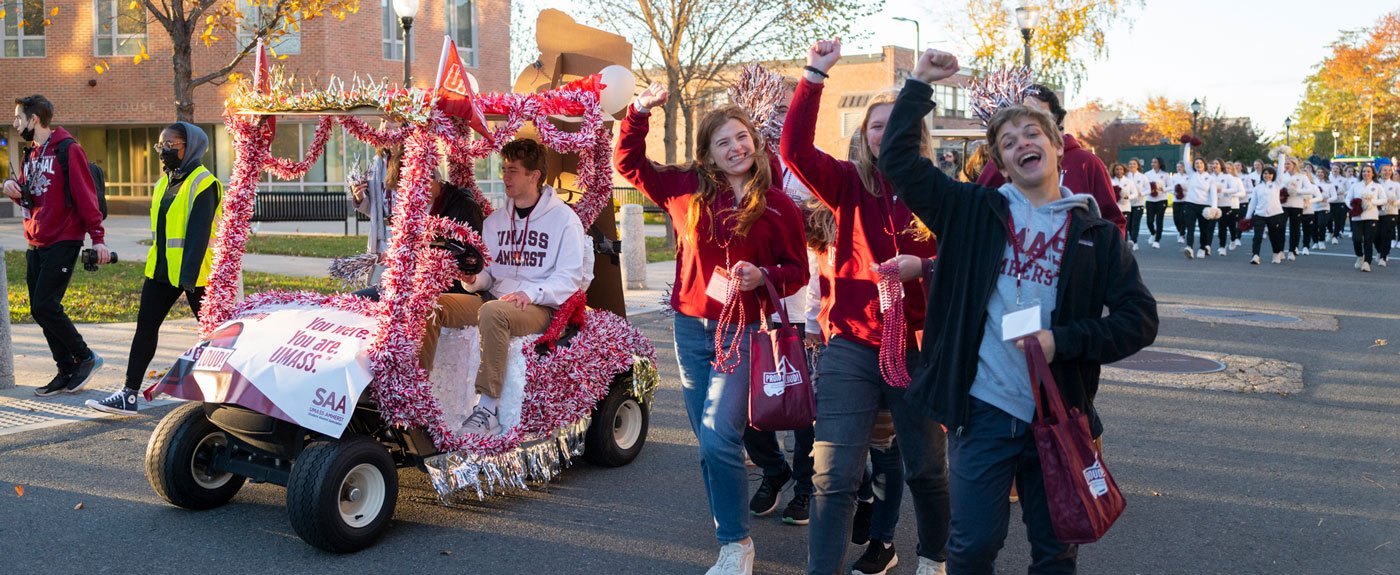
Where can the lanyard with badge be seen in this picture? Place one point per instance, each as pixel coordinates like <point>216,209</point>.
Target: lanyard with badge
<point>1026,319</point>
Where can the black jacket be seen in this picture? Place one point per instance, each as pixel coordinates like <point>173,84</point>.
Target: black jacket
<point>1096,271</point>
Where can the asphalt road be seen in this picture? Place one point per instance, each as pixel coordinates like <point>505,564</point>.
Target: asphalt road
<point>1216,482</point>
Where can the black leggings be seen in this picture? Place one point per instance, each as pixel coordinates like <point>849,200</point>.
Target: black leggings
<point>1295,227</point>
<point>1135,224</point>
<point>1385,233</point>
<point>1180,217</point>
<point>1156,218</point>
<point>1338,224</point>
<point>157,297</point>
<point>1273,225</point>
<point>1227,222</point>
<point>1196,217</point>
<point>1310,231</point>
<point>1363,238</point>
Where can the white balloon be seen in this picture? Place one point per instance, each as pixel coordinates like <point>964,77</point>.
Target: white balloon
<point>620,84</point>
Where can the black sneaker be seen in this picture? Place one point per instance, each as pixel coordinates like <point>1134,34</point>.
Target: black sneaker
<point>83,372</point>
<point>55,386</point>
<point>765,500</point>
<point>796,511</point>
<point>878,559</point>
<point>122,402</point>
<point>860,525</point>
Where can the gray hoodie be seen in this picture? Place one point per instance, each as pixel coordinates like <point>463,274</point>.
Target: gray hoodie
<point>1002,379</point>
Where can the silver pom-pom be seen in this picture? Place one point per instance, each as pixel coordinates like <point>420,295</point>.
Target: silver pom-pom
<point>353,271</point>
<point>459,474</point>
<point>760,91</point>
<point>1000,89</point>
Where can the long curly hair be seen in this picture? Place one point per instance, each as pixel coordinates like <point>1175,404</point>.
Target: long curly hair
<point>753,200</point>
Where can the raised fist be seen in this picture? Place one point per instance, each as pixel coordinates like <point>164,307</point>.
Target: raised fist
<point>934,65</point>
<point>655,95</point>
<point>824,54</point>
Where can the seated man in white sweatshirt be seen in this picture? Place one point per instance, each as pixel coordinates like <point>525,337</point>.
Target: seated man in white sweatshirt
<point>540,256</point>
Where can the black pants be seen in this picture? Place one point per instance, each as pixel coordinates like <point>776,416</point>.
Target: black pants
<point>47,274</point>
<point>1338,223</point>
<point>1385,233</point>
<point>1272,225</point>
<point>1295,227</point>
<point>157,297</point>
<point>1156,217</point>
<point>1228,231</point>
<point>1363,238</point>
<point>1197,219</point>
<point>1310,233</point>
<point>767,452</point>
<point>1135,224</point>
<point>1180,218</point>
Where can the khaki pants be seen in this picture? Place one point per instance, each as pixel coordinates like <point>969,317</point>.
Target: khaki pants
<point>497,320</point>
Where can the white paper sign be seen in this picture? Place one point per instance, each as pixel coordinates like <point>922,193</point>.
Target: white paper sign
<point>1018,324</point>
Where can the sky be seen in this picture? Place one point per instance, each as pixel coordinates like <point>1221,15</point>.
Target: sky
<point>1247,58</point>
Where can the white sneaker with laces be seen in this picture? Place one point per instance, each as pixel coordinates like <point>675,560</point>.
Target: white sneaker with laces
<point>1221,251</point>
<point>1334,240</point>
<point>1254,260</point>
<point>1365,267</point>
<point>1382,262</point>
<point>1278,258</point>
<point>1306,252</point>
<point>1358,263</point>
<point>1202,253</point>
<point>1135,246</point>
<point>930,567</point>
<point>1180,240</point>
<point>734,559</point>
<point>482,422</point>
<point>1156,245</point>
<point>1190,254</point>
<point>1292,256</point>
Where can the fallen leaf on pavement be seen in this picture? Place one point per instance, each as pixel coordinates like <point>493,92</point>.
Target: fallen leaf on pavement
<point>1380,343</point>
<point>19,489</point>
<point>79,505</point>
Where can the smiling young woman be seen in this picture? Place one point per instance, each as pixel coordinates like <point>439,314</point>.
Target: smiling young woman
<point>733,225</point>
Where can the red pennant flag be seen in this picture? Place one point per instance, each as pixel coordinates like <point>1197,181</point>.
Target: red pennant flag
<point>262,78</point>
<point>454,90</point>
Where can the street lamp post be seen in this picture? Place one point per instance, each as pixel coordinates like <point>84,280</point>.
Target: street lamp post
<point>1335,135</point>
<point>918,40</point>
<point>407,11</point>
<point>1371,123</point>
<point>1355,142</point>
<point>1288,130</point>
<point>1026,18</point>
<point>1195,112</point>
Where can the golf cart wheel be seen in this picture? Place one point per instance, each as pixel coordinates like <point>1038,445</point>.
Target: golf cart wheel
<point>619,427</point>
<point>180,460</point>
<point>341,493</point>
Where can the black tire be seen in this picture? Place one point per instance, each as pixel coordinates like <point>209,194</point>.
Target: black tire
<point>178,460</point>
<point>321,493</point>
<point>619,427</point>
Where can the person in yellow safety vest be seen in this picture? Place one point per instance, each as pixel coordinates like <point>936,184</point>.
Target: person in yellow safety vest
<point>184,212</point>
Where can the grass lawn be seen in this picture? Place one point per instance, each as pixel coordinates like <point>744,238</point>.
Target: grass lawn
<point>658,252</point>
<point>113,292</point>
<point>315,246</point>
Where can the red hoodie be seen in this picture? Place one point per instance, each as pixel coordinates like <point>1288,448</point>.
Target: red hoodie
<point>52,219</point>
<point>1084,174</point>
<point>864,223</point>
<point>774,243</point>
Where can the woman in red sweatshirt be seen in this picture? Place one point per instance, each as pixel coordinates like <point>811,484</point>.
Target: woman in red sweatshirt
<point>733,225</point>
<point>872,226</point>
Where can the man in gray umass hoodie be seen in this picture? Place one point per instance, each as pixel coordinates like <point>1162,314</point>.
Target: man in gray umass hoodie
<point>1071,260</point>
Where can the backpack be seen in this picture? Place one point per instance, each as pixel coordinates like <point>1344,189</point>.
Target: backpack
<point>99,177</point>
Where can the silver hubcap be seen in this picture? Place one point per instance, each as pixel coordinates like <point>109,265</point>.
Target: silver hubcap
<point>627,424</point>
<point>201,465</point>
<point>361,495</point>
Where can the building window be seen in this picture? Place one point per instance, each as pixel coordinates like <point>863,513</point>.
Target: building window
<point>850,122</point>
<point>461,26</point>
<point>119,28</point>
<point>393,32</point>
<point>255,17</point>
<point>951,101</point>
<point>22,33</point>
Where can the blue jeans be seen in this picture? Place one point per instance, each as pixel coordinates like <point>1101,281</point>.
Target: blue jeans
<point>993,448</point>
<point>717,405</point>
<point>849,391</point>
<point>884,482</point>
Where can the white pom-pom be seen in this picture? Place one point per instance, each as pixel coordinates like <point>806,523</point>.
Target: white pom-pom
<point>1211,213</point>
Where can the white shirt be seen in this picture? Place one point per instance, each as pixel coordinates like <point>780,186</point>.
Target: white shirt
<point>1370,195</point>
<point>1264,200</point>
<point>1160,178</point>
<point>1392,198</point>
<point>1127,192</point>
<point>1232,190</point>
<point>1140,182</point>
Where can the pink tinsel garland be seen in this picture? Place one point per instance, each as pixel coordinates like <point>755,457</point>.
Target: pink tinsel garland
<point>287,170</point>
<point>893,331</point>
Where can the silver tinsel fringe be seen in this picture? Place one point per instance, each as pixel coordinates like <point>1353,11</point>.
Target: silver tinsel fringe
<point>1000,89</point>
<point>353,271</point>
<point>666,308</point>
<point>645,379</point>
<point>461,473</point>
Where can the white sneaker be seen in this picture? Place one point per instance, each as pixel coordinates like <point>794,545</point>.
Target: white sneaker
<point>1180,240</point>
<point>1235,245</point>
<point>1292,256</point>
<point>1221,251</point>
<point>1156,244</point>
<point>1278,258</point>
<point>734,559</point>
<point>930,567</point>
<point>1358,263</point>
<point>1254,260</point>
<point>1306,252</point>
<point>482,422</point>
<point>1135,245</point>
<point>1382,262</point>
<point>1334,240</point>
<point>1322,246</point>
<point>1365,267</point>
<point>1190,254</point>
<point>1202,253</point>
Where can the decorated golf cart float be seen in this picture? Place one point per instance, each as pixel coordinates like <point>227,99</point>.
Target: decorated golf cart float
<point>325,395</point>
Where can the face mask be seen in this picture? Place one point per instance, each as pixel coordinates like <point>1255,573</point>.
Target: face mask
<point>170,159</point>
<point>27,134</point>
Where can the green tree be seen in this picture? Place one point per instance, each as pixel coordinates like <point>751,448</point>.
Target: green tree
<point>1354,87</point>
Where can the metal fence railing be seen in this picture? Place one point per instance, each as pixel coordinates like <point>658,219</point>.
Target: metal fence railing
<point>624,196</point>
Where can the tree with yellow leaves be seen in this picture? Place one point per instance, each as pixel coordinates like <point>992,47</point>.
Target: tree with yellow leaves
<point>1353,90</point>
<point>213,19</point>
<point>1069,33</point>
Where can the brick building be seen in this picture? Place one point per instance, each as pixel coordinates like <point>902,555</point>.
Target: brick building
<point>854,80</point>
<point>117,115</point>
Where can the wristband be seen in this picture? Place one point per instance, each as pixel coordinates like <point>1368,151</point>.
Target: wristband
<point>814,70</point>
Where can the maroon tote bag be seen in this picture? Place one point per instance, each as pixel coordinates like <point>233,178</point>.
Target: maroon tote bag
<point>780,386</point>
<point>1084,500</point>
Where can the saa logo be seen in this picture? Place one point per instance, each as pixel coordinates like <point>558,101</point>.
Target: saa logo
<point>329,400</point>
